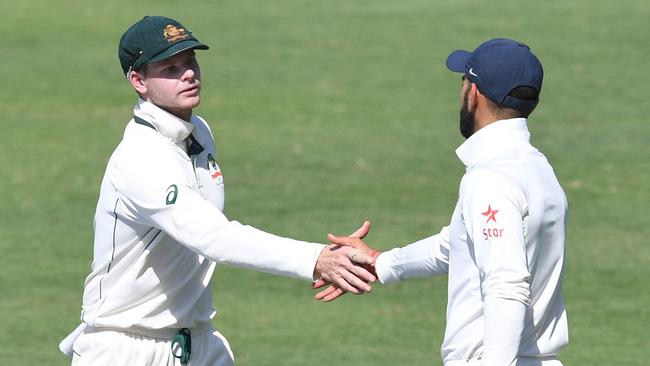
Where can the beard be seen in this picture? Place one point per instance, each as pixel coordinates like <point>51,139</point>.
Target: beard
<point>466,119</point>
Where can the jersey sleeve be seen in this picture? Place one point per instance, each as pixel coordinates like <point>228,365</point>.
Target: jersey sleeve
<point>494,210</point>
<point>159,194</point>
<point>423,258</point>
<point>504,321</point>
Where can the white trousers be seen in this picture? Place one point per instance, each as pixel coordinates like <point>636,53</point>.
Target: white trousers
<point>119,348</point>
<point>521,361</point>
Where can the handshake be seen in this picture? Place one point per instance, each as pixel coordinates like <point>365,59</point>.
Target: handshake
<point>346,265</point>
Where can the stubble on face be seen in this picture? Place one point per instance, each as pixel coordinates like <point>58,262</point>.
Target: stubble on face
<point>467,119</point>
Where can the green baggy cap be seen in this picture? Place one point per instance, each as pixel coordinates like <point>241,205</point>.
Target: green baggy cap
<point>154,38</point>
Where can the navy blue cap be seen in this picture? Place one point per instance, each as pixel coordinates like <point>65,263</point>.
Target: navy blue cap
<point>497,67</point>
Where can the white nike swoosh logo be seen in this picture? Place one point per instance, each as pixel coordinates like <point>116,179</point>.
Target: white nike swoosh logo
<point>472,72</point>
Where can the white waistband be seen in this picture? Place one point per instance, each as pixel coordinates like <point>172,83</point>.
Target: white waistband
<point>164,333</point>
<point>521,361</point>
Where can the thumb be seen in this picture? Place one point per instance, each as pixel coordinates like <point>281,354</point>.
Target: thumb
<point>362,231</point>
<point>341,240</point>
<point>351,242</point>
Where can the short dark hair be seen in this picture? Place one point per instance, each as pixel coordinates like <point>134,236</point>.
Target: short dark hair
<point>523,93</point>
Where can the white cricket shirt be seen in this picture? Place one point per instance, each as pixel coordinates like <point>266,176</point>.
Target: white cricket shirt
<point>159,229</point>
<point>503,251</point>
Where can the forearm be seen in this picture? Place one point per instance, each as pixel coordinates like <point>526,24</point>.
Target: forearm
<point>424,258</point>
<point>247,247</point>
<point>198,225</point>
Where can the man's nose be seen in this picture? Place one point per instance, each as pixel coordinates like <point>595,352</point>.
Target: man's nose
<point>188,75</point>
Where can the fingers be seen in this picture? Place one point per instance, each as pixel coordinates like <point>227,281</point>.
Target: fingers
<point>349,241</point>
<point>364,256</point>
<point>359,256</point>
<point>362,231</point>
<point>350,282</point>
<point>340,265</point>
<point>356,270</point>
<point>346,266</point>
<point>364,272</point>
<point>353,278</point>
<point>334,295</point>
<point>319,283</point>
<point>346,282</point>
<point>344,240</point>
<point>342,283</point>
<point>329,294</point>
<point>356,243</point>
<point>325,293</point>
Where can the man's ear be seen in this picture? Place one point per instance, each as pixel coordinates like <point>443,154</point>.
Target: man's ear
<point>472,97</point>
<point>137,81</point>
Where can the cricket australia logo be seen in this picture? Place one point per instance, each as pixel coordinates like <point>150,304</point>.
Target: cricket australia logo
<point>172,34</point>
<point>215,172</point>
<point>491,232</point>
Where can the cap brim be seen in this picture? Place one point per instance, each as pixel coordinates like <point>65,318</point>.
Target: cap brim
<point>179,47</point>
<point>457,60</point>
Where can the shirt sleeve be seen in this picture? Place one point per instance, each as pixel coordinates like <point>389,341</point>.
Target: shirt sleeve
<point>504,321</point>
<point>159,194</point>
<point>494,212</point>
<point>423,258</point>
<point>494,209</point>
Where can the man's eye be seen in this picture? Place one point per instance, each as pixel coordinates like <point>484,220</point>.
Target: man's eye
<point>170,69</point>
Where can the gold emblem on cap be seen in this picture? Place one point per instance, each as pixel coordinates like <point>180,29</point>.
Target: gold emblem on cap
<point>173,34</point>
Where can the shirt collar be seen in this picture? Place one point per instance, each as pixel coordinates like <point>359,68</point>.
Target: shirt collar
<point>170,126</point>
<point>493,140</point>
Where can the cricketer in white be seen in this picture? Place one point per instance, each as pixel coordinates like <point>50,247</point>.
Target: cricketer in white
<point>160,230</point>
<point>509,223</point>
<point>159,225</point>
<point>504,248</point>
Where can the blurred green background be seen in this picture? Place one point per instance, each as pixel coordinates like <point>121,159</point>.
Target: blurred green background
<point>325,114</point>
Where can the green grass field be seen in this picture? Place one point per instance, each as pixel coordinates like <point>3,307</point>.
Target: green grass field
<point>325,114</point>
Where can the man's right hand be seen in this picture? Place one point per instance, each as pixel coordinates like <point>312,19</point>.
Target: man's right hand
<point>335,290</point>
<point>344,267</point>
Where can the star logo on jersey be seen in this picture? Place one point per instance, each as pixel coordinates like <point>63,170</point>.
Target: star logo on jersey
<point>490,214</point>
